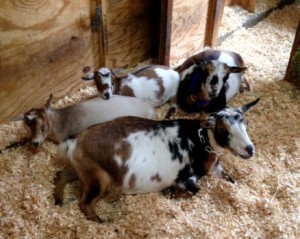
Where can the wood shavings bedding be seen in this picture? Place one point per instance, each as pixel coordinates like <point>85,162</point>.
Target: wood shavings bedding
<point>263,203</point>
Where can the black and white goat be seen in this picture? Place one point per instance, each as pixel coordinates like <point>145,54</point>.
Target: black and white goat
<point>57,124</point>
<point>132,155</point>
<point>209,80</point>
<point>154,84</point>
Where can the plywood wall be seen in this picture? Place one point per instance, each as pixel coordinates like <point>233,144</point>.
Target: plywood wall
<point>130,31</point>
<point>189,21</point>
<point>44,46</point>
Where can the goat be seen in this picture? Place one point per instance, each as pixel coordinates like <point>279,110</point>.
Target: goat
<point>209,80</point>
<point>131,155</point>
<point>154,84</point>
<point>57,124</point>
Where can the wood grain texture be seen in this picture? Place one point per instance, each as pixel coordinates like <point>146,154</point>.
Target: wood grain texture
<point>44,47</point>
<point>131,31</point>
<point>189,21</point>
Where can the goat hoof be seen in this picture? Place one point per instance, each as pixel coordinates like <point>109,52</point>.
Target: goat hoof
<point>191,187</point>
<point>228,178</point>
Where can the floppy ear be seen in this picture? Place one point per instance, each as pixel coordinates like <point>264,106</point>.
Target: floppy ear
<point>246,107</point>
<point>199,62</point>
<point>48,103</point>
<point>89,76</point>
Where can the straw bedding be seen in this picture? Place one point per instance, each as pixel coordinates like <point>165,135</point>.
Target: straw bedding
<point>263,203</point>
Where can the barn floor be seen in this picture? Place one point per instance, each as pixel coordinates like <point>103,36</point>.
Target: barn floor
<point>263,203</point>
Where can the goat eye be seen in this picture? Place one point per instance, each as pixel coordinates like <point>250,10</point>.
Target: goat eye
<point>43,128</point>
<point>105,75</point>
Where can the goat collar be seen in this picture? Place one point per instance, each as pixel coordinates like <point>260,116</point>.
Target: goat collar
<point>193,91</point>
<point>211,146</point>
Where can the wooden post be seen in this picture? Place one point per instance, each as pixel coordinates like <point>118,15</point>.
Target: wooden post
<point>216,10</point>
<point>293,69</point>
<point>165,32</point>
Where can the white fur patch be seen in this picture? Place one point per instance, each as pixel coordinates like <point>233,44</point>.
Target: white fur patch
<point>66,149</point>
<point>106,77</point>
<point>148,90</point>
<point>226,58</point>
<point>32,115</point>
<point>234,80</point>
<point>151,156</point>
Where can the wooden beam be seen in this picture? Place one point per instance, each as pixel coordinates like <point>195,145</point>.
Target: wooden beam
<point>216,10</point>
<point>290,74</point>
<point>165,32</point>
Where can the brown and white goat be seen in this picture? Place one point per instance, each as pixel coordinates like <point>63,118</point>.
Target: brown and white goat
<point>132,155</point>
<point>209,80</point>
<point>57,124</point>
<point>154,84</point>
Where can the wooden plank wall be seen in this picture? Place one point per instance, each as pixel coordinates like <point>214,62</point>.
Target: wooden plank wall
<point>44,46</point>
<point>131,31</point>
<point>189,19</point>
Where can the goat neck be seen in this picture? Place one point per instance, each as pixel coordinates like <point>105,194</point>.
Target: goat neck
<point>207,138</point>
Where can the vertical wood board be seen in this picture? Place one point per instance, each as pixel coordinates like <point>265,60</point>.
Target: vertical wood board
<point>189,19</point>
<point>129,31</point>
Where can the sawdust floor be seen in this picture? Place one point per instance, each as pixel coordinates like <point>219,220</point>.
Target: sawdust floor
<point>263,203</point>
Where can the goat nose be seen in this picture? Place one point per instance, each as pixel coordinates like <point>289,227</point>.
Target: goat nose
<point>250,150</point>
<point>106,95</point>
<point>36,144</point>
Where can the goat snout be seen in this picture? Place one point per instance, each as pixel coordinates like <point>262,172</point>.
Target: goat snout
<point>36,144</point>
<point>250,150</point>
<point>106,95</point>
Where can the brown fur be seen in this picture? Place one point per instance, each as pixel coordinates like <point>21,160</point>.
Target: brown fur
<point>126,90</point>
<point>95,169</point>
<point>145,71</point>
<point>156,177</point>
<point>62,178</point>
<point>132,181</point>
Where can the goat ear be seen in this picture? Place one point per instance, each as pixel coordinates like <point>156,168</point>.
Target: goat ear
<point>199,62</point>
<point>236,69</point>
<point>48,103</point>
<point>89,76</point>
<point>209,123</point>
<point>246,107</point>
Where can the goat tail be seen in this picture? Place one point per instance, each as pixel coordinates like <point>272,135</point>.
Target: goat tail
<point>66,148</point>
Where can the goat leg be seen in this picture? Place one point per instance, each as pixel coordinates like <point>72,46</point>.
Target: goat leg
<point>63,177</point>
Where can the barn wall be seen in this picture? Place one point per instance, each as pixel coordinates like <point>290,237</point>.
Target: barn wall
<point>44,46</point>
<point>130,31</point>
<point>189,21</point>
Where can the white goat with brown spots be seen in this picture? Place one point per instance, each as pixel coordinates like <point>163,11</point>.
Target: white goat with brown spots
<point>154,84</point>
<point>132,155</point>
